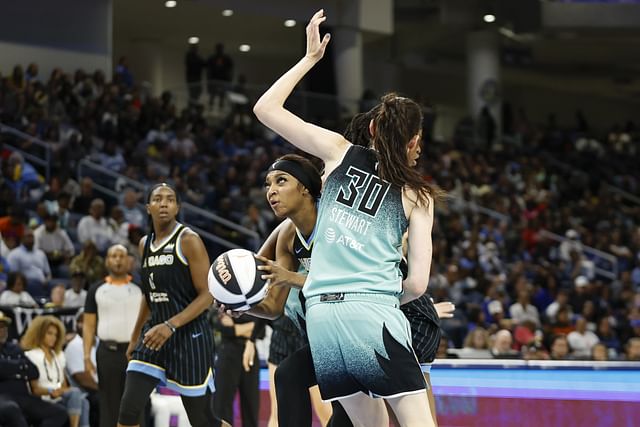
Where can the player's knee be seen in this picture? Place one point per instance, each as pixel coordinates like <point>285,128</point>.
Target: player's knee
<point>284,377</point>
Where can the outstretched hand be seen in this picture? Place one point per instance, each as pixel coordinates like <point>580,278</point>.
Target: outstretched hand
<point>445,309</point>
<point>315,46</point>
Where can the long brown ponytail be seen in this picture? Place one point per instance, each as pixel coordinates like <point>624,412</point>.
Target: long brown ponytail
<point>397,121</point>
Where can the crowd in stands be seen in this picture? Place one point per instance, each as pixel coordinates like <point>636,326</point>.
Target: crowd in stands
<point>517,292</point>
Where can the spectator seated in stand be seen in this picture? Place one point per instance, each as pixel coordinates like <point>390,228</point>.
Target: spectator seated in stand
<point>15,295</point>
<point>56,244</point>
<point>16,370</point>
<point>76,295</point>
<point>96,228</point>
<point>521,179</point>
<point>33,263</point>
<point>89,262</point>
<point>56,298</point>
<point>12,226</point>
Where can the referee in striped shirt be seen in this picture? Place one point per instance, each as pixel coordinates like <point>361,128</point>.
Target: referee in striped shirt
<point>110,313</point>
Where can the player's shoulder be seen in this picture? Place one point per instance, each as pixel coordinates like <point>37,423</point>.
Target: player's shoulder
<point>289,230</point>
<point>187,235</point>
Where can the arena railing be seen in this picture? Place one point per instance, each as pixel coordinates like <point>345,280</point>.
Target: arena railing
<point>572,169</point>
<point>312,105</point>
<point>40,157</point>
<point>459,204</point>
<point>598,256</point>
<point>106,182</point>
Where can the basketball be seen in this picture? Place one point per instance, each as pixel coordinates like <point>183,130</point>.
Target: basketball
<point>234,280</point>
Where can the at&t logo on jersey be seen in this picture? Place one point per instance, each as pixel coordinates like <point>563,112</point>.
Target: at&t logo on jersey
<point>350,242</point>
<point>155,260</point>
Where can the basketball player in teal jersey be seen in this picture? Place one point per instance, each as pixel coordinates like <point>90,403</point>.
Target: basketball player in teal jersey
<point>360,340</point>
<point>293,378</point>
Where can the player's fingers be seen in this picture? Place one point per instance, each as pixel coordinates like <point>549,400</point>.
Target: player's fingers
<point>325,40</point>
<point>317,15</point>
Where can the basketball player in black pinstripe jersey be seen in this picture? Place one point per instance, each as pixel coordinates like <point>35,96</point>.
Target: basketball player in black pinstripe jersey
<point>172,342</point>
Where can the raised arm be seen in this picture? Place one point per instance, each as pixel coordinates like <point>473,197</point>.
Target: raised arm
<point>325,144</point>
<point>420,252</point>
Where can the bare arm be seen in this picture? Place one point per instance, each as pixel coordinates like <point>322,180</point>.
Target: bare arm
<point>143,312</point>
<point>281,272</point>
<point>37,389</point>
<point>143,315</point>
<point>88,339</point>
<point>244,330</point>
<point>420,252</point>
<point>269,109</point>
<point>272,305</point>
<point>198,259</point>
<point>85,380</point>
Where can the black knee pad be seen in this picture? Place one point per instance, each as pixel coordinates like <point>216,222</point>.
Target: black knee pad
<point>129,414</point>
<point>137,389</point>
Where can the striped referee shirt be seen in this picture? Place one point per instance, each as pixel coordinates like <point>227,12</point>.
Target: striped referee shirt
<point>116,304</point>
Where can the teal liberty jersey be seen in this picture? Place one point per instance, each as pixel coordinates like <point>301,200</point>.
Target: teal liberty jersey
<point>294,308</point>
<point>359,230</point>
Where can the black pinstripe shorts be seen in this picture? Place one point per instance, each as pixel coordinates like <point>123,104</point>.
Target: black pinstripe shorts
<point>425,328</point>
<point>285,340</point>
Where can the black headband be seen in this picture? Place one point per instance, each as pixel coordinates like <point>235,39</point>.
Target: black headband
<point>297,171</point>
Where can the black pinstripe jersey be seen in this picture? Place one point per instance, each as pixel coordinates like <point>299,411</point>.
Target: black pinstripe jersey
<point>166,278</point>
<point>425,324</point>
<point>186,359</point>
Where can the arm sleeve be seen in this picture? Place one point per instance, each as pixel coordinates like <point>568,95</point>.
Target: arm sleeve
<point>258,329</point>
<point>225,331</point>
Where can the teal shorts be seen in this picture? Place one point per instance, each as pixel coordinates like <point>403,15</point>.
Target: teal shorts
<point>361,343</point>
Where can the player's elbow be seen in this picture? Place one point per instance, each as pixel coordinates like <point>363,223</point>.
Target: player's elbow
<point>414,287</point>
<point>261,109</point>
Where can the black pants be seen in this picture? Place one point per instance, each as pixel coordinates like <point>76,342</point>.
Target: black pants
<point>112,370</point>
<point>94,407</point>
<point>294,376</point>
<point>32,410</point>
<point>139,386</point>
<point>231,376</point>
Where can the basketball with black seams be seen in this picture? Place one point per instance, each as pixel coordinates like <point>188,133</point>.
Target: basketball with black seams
<point>234,280</point>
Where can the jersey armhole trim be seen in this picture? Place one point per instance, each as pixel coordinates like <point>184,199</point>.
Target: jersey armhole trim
<point>179,253</point>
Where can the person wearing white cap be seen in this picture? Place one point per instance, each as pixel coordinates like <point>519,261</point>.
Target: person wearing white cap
<point>581,282</point>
